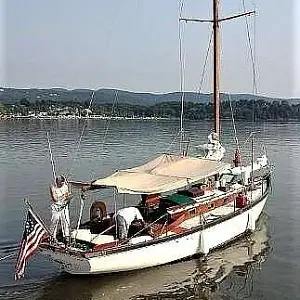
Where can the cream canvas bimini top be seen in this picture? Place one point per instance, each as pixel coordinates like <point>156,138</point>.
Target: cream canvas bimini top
<point>165,173</point>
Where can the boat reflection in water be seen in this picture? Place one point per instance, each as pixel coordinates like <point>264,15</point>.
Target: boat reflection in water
<point>191,279</point>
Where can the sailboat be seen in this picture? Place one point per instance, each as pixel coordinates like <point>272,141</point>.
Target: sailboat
<point>188,205</point>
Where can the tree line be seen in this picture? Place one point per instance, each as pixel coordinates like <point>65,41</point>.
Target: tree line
<point>241,109</point>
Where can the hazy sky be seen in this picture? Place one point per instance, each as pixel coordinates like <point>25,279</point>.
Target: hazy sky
<point>133,45</point>
<point>296,86</point>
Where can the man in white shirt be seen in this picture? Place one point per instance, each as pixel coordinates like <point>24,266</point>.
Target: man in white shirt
<point>125,216</point>
<point>60,207</point>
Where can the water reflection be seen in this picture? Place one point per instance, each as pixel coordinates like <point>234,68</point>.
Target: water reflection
<point>191,279</point>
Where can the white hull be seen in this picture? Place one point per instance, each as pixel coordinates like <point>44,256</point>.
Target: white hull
<point>163,251</point>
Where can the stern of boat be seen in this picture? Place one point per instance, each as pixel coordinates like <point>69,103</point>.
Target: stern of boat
<point>70,263</point>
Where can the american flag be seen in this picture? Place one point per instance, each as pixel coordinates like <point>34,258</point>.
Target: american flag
<point>34,232</point>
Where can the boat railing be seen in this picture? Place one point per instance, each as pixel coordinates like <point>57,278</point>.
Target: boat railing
<point>104,231</point>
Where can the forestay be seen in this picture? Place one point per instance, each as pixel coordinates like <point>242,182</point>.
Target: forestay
<point>165,173</point>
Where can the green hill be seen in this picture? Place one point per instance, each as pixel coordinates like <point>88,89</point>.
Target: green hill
<point>11,96</point>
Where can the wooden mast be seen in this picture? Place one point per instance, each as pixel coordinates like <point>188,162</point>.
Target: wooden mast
<point>216,55</point>
<point>216,62</point>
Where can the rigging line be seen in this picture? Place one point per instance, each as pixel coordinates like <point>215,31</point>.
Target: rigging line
<point>109,120</point>
<point>137,233</point>
<point>233,123</point>
<point>115,215</point>
<point>80,216</point>
<point>51,157</point>
<point>182,66</point>
<point>81,135</point>
<point>252,61</point>
<point>205,63</point>
<point>249,137</point>
<point>107,125</point>
<point>234,129</point>
<point>102,232</point>
<point>173,141</point>
<point>251,51</point>
<point>255,65</point>
<point>110,33</point>
<point>255,88</point>
<point>180,36</point>
<point>92,98</point>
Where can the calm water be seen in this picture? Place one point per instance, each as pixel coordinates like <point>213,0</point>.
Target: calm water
<point>265,265</point>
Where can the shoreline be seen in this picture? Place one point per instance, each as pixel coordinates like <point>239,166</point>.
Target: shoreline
<point>94,117</point>
<point>100,117</point>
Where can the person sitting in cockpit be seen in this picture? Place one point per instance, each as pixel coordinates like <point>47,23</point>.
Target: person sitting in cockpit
<point>99,220</point>
<point>125,217</point>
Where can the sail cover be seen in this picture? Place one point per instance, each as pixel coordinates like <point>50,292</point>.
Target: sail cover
<point>165,173</point>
